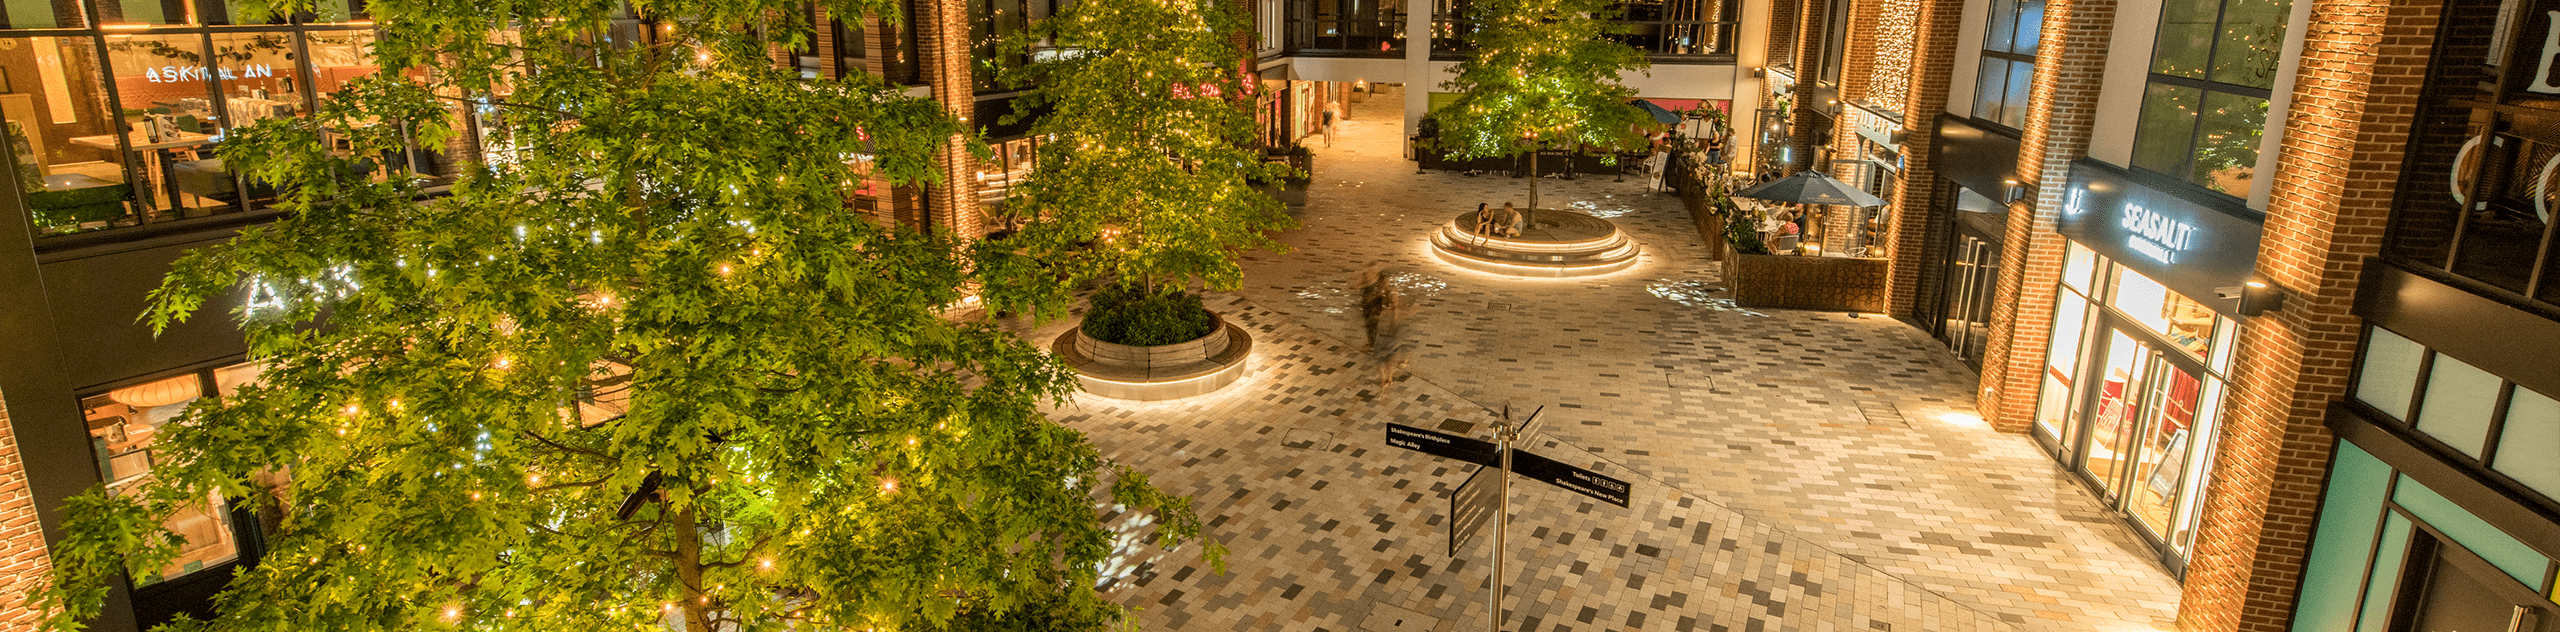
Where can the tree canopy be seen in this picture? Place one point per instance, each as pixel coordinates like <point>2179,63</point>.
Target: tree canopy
<point>1146,171</point>
<point>639,366</point>
<point>1540,74</point>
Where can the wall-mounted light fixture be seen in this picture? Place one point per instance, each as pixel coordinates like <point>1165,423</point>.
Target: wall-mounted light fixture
<point>2256,296</point>
<point>2014,191</point>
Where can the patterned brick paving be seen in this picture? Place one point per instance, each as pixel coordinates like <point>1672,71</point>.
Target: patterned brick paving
<point>1792,470</point>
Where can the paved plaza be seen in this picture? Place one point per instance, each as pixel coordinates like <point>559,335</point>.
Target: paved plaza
<point>1791,470</point>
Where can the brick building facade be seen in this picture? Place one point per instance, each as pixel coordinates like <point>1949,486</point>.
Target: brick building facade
<point>2184,312</point>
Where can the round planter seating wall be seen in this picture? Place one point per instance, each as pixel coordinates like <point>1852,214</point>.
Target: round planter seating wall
<point>1556,244</point>
<point>1160,372</point>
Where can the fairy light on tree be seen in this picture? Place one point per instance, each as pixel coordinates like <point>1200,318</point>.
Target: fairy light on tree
<point>1148,175</point>
<point>668,231</point>
<point>1541,74</point>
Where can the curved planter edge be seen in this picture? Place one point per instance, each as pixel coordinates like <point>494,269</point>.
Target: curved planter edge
<point>1157,373</point>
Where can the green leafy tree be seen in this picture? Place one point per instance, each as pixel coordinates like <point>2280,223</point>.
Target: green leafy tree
<point>1146,168</point>
<point>1543,74</point>
<point>642,367</point>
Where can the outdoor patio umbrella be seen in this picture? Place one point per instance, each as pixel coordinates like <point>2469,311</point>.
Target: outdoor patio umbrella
<point>1660,115</point>
<point>1810,187</point>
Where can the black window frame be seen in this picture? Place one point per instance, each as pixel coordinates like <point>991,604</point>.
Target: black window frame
<point>2013,63</point>
<point>2206,88</point>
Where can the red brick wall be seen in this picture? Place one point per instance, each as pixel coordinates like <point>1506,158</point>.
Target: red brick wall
<point>944,47</point>
<point>2062,109</point>
<point>1916,214</point>
<point>22,550</point>
<point>2354,102</point>
<point>1808,56</point>
<point>1783,22</point>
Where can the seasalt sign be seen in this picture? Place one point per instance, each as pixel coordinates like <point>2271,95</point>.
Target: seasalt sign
<point>2155,235</point>
<point>174,74</point>
<point>2193,242</point>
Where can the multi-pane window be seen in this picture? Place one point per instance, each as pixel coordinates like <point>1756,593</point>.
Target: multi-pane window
<point>1679,27</point>
<point>2008,61</point>
<point>112,128</point>
<point>992,22</point>
<point>2483,179</point>
<point>1362,27</point>
<point>2495,423</point>
<point>2204,105</point>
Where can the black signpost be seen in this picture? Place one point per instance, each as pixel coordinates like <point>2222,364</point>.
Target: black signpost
<point>1572,479</point>
<point>1469,507</point>
<point>1443,445</point>
<point>1484,498</point>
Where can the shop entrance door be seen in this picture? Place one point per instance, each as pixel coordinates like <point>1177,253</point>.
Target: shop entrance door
<point>1972,274</point>
<point>2447,589</point>
<point>2142,431</point>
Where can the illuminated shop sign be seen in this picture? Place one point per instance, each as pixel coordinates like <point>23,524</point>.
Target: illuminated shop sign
<point>2192,245</point>
<point>174,74</point>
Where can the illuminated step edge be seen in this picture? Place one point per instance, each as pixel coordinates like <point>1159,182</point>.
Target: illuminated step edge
<point>1156,373</point>
<point>1513,257</point>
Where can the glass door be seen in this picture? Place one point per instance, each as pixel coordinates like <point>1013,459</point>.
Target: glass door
<point>2151,417</point>
<point>1974,273</point>
<point>2110,446</point>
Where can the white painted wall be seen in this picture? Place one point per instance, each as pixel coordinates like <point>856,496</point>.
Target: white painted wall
<point>1347,69</point>
<point>1968,69</point>
<point>1751,52</point>
<point>2262,184</point>
<point>1682,81</point>
<point>2120,92</point>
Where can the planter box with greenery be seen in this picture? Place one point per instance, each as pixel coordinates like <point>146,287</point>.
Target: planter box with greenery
<point>1761,279</point>
<point>1150,346</point>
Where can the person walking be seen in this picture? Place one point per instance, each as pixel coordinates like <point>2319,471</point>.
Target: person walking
<point>1332,111</point>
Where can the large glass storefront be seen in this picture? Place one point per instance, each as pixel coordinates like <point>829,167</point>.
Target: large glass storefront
<point>115,122</point>
<point>124,431</point>
<point>2132,394</point>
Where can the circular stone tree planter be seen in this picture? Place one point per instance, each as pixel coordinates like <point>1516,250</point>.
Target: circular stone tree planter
<point>1555,244</point>
<point>1160,372</point>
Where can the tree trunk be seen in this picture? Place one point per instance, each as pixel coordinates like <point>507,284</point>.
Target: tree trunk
<point>1532,211</point>
<point>697,605</point>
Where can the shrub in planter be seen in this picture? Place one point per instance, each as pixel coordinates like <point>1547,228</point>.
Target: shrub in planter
<point>1139,316</point>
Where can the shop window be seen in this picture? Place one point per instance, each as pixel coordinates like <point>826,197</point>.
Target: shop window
<point>1834,43</point>
<point>114,13</point>
<point>849,44</point>
<point>2056,414</point>
<point>1363,27</point>
<point>52,14</point>
<point>2008,61</point>
<point>1450,26</point>
<point>2185,322</point>
<point>2079,266</point>
<point>2528,439</point>
<point>1676,27</point>
<point>2387,379</point>
<point>2478,536</point>
<point>165,84</point>
<point>2483,165</point>
<point>336,11</point>
<point>2204,106</point>
<point>123,424</point>
<point>991,22</point>
<point>2511,185</point>
<point>64,137</point>
<point>2459,400</point>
